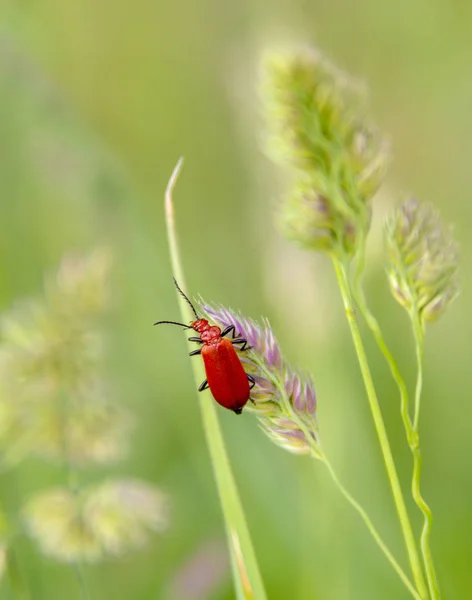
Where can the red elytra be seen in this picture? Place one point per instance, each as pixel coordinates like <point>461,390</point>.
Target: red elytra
<point>225,375</point>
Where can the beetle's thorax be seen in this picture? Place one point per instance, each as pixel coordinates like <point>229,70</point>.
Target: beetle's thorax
<point>212,335</point>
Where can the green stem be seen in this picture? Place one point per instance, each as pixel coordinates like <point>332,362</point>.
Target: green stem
<point>418,330</point>
<point>317,453</point>
<point>392,363</point>
<point>72,483</point>
<point>411,430</point>
<point>248,580</point>
<point>79,575</point>
<point>370,526</point>
<point>10,531</point>
<point>381,431</point>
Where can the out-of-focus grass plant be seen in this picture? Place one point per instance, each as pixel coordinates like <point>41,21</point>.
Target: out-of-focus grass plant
<point>56,404</point>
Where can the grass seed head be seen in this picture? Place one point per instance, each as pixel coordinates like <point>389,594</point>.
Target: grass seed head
<point>284,399</point>
<point>318,127</point>
<point>424,260</point>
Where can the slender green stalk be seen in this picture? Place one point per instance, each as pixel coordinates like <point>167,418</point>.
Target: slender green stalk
<point>433,584</point>
<point>248,580</point>
<point>411,428</point>
<point>418,333</point>
<point>381,431</point>
<point>73,484</point>
<point>79,575</point>
<point>319,454</point>
<point>370,526</point>
<point>373,325</point>
<point>9,532</point>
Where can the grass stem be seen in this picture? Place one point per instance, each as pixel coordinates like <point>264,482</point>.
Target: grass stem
<point>247,577</point>
<point>392,474</point>
<point>411,428</point>
<point>370,526</point>
<point>418,331</point>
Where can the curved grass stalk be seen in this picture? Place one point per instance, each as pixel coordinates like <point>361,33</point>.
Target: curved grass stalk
<point>411,427</point>
<point>411,430</point>
<point>372,323</point>
<point>319,454</point>
<point>247,577</point>
<point>405,524</point>
<point>73,485</point>
<point>418,330</point>
<point>370,526</point>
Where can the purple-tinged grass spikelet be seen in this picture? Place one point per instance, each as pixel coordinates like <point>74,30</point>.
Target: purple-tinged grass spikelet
<point>424,260</point>
<point>284,399</point>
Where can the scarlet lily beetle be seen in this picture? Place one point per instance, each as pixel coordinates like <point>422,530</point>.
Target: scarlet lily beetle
<point>229,384</point>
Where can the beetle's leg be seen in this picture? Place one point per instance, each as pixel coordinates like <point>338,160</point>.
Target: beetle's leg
<point>230,328</point>
<point>252,381</point>
<point>194,352</point>
<point>196,339</point>
<point>242,341</point>
<point>236,339</point>
<point>203,386</point>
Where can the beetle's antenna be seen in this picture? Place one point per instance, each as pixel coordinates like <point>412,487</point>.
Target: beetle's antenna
<point>186,299</point>
<point>173,323</point>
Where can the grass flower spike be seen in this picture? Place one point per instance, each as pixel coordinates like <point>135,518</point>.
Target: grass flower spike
<point>318,127</point>
<point>423,274</point>
<point>284,400</point>
<point>424,262</point>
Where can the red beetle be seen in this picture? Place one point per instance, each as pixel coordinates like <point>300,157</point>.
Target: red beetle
<point>229,384</point>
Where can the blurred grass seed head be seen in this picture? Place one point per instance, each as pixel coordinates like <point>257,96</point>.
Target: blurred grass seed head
<point>424,260</point>
<point>104,521</point>
<point>54,399</point>
<point>318,127</point>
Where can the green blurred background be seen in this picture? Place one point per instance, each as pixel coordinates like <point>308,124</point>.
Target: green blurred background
<point>98,99</point>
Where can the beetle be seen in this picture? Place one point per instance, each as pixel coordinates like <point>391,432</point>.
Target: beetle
<point>226,378</point>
